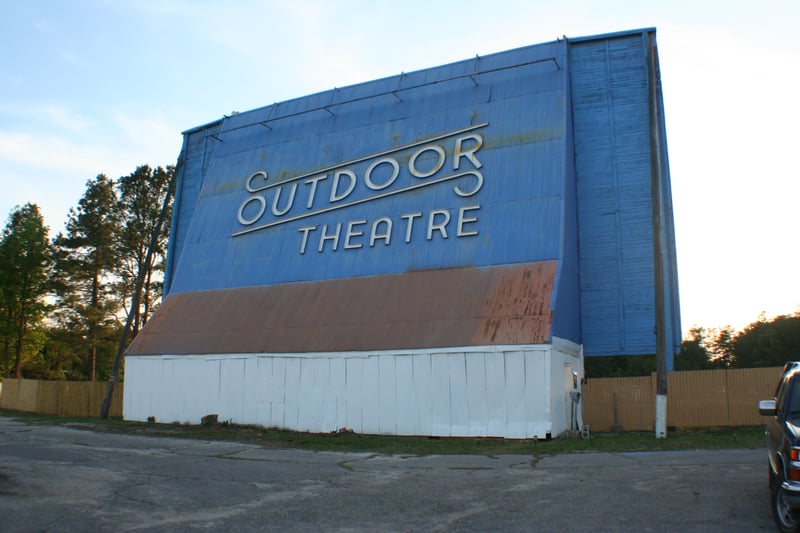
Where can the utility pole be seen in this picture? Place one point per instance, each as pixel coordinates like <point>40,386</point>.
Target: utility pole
<point>659,238</point>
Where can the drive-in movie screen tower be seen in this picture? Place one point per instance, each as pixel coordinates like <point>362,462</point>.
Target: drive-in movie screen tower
<point>432,253</point>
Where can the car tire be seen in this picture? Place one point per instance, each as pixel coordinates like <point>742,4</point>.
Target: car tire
<point>786,520</point>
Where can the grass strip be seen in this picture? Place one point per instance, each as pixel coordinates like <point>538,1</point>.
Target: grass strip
<point>346,441</point>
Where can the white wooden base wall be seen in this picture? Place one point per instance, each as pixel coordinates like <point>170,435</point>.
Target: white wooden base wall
<point>503,391</point>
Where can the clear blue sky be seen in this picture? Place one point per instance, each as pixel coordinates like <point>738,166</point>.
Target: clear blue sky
<point>102,86</point>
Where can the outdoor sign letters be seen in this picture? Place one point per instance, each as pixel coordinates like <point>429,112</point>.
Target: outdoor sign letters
<point>450,159</point>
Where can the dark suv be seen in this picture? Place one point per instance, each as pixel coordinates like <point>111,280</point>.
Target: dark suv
<point>783,445</point>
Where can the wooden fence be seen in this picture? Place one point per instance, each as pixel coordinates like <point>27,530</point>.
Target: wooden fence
<point>704,398</point>
<point>701,398</point>
<point>62,398</point>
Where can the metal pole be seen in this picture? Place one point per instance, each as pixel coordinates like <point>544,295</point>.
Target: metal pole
<point>123,342</point>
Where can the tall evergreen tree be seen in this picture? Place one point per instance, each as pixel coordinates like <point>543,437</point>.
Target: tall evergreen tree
<point>141,197</point>
<point>88,262</point>
<point>24,263</point>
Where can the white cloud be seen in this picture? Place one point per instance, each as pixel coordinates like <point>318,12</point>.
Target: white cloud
<point>45,116</point>
<point>46,152</point>
<point>63,118</point>
<point>147,135</point>
<point>51,169</point>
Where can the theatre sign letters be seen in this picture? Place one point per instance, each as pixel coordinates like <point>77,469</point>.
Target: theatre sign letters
<point>450,159</point>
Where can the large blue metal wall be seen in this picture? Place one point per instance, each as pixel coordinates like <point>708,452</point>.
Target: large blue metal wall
<point>561,170</point>
<point>516,103</point>
<point>615,153</point>
<point>198,150</point>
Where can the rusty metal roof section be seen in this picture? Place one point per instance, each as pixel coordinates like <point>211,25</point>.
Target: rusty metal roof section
<point>427,309</point>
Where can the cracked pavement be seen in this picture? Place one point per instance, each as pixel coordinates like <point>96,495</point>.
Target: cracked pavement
<point>57,478</point>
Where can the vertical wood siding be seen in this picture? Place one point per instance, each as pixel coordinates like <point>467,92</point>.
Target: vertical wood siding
<point>612,143</point>
<point>702,398</point>
<point>62,398</point>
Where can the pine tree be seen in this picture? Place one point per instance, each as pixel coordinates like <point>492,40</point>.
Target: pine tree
<point>141,197</point>
<point>88,264</point>
<point>24,263</point>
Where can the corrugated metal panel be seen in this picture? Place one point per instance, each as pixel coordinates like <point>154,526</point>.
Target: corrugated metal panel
<point>456,307</point>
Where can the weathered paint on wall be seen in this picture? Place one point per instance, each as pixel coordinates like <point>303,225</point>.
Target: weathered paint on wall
<point>483,307</point>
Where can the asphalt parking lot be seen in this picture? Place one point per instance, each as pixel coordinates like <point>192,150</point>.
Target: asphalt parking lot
<point>56,478</point>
